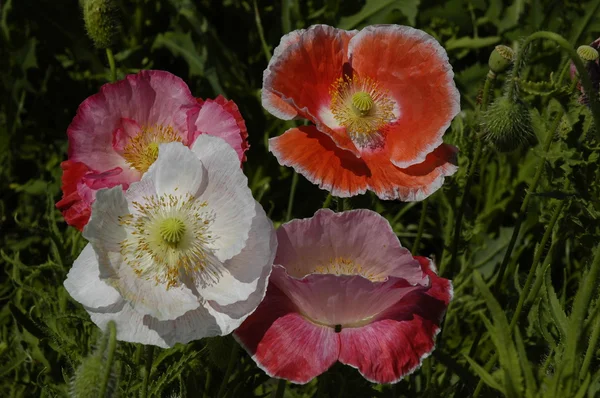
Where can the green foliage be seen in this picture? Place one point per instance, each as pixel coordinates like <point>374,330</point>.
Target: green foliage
<point>548,348</point>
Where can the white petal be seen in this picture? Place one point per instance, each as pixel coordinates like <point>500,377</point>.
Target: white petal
<point>145,295</point>
<point>131,325</point>
<point>243,272</point>
<point>176,171</point>
<point>227,194</point>
<point>103,228</point>
<point>84,284</point>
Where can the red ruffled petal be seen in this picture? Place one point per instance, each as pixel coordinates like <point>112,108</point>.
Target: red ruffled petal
<point>315,156</point>
<point>284,344</point>
<point>301,73</point>
<point>396,343</point>
<point>75,210</point>
<point>414,67</point>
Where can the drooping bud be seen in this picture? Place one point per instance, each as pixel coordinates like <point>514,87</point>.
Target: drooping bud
<point>587,53</point>
<point>501,58</point>
<point>507,124</point>
<point>102,23</point>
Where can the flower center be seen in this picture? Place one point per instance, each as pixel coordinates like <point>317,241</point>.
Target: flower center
<point>345,266</point>
<point>169,239</point>
<point>363,108</point>
<point>142,150</point>
<point>172,230</point>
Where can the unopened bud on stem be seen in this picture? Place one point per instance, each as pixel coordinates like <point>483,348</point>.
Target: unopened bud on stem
<point>501,58</point>
<point>101,22</point>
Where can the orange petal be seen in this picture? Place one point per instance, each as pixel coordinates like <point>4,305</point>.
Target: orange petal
<point>415,69</point>
<point>415,182</point>
<point>300,74</point>
<point>315,156</point>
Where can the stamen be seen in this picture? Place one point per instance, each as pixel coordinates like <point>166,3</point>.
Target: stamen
<point>362,107</point>
<point>142,150</point>
<point>344,266</point>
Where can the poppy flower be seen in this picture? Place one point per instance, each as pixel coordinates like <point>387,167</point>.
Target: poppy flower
<point>344,289</point>
<point>380,100</point>
<point>115,135</point>
<point>184,253</point>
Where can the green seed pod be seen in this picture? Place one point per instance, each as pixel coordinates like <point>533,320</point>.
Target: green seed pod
<point>587,53</point>
<point>102,22</point>
<point>507,124</point>
<point>501,58</point>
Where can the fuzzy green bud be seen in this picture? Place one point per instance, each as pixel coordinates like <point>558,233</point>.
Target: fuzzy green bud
<point>587,53</point>
<point>507,124</point>
<point>102,23</point>
<point>501,58</point>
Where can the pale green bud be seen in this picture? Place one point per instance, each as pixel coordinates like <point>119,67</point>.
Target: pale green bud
<point>102,23</point>
<point>501,58</point>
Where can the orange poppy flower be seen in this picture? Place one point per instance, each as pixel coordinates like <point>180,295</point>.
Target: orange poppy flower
<point>380,100</point>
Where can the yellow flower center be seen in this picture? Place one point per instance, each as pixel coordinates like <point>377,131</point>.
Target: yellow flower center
<point>142,150</point>
<point>345,266</point>
<point>362,107</point>
<point>172,230</point>
<point>169,238</point>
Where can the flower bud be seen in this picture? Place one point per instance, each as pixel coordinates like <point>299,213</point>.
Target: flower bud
<point>587,53</point>
<point>102,23</point>
<point>501,58</point>
<point>507,124</point>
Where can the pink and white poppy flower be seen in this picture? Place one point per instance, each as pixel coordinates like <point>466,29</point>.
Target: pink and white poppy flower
<point>184,253</point>
<point>115,135</point>
<point>344,289</point>
<point>380,100</point>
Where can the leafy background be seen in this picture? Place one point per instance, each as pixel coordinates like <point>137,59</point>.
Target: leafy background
<point>48,66</point>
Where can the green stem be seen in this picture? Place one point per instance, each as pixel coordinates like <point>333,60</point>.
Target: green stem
<point>415,247</point>
<point>327,201</point>
<point>525,204</point>
<point>581,305</point>
<point>112,344</point>
<point>591,349</point>
<point>261,33</point>
<point>581,70</point>
<point>232,360</point>
<point>111,63</point>
<point>288,215</point>
<point>487,88</point>
<point>149,360</point>
<point>534,265</point>
<point>286,23</point>
<point>280,388</point>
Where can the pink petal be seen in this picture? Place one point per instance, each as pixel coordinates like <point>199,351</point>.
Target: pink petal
<point>149,98</point>
<point>126,130</point>
<point>284,344</point>
<point>219,118</point>
<point>341,299</point>
<point>361,237</point>
<point>398,340</point>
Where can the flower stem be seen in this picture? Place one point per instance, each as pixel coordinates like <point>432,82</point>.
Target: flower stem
<point>111,63</point>
<point>415,247</point>
<point>232,360</point>
<point>261,33</point>
<point>280,388</point>
<point>288,215</point>
<point>581,70</point>
<point>149,360</point>
<point>112,344</point>
<point>327,201</point>
<point>591,349</point>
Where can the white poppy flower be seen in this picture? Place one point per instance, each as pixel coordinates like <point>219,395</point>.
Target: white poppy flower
<point>184,253</point>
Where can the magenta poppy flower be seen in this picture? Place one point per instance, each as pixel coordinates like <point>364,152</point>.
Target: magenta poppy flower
<point>344,289</point>
<point>114,137</point>
<point>380,100</point>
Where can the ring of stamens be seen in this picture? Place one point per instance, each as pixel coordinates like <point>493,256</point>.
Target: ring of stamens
<point>362,107</point>
<point>169,239</point>
<point>142,150</point>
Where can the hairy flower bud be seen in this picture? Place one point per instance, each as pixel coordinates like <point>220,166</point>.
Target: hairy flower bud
<point>501,58</point>
<point>101,21</point>
<point>507,124</point>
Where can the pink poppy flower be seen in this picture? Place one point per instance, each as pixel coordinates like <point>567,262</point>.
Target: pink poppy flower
<point>344,289</point>
<point>115,135</point>
<point>380,100</point>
